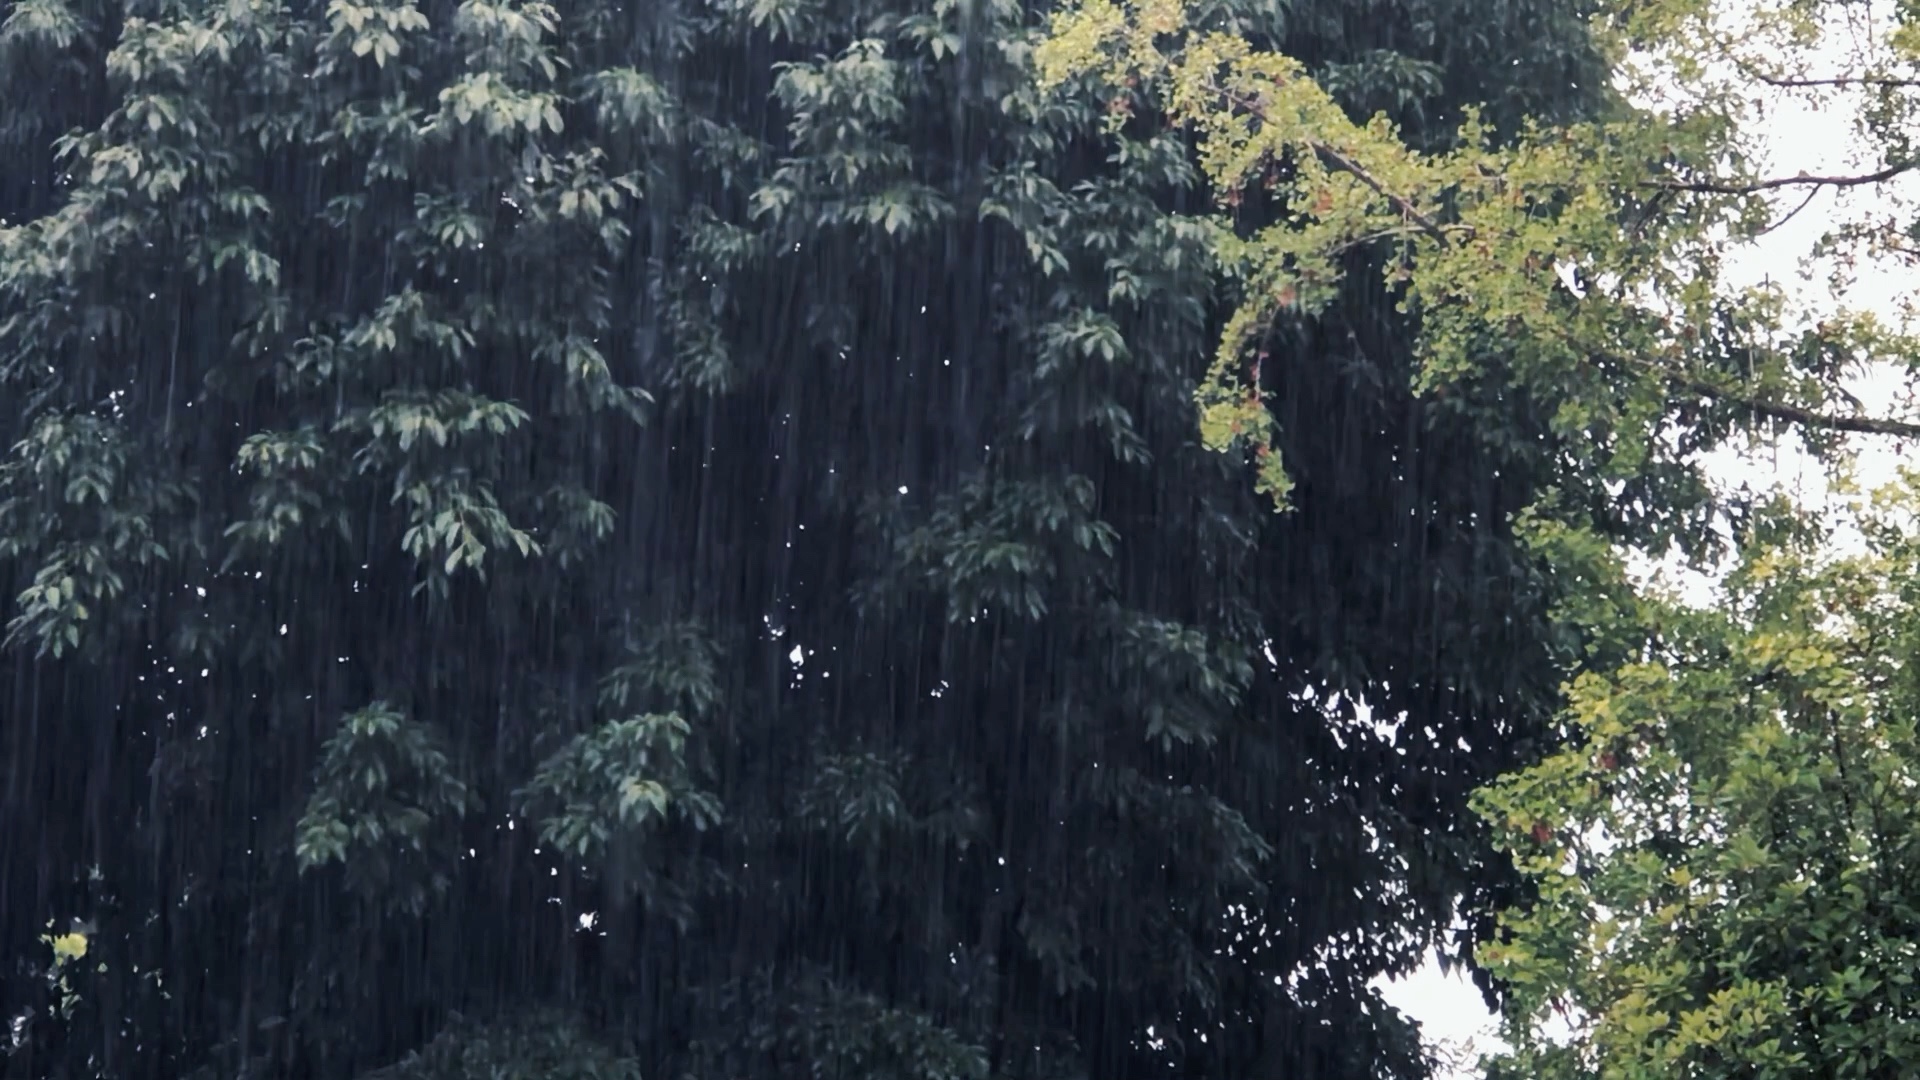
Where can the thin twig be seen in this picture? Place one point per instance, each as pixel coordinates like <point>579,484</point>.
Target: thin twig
<point>1791,214</point>
<point>1395,234</point>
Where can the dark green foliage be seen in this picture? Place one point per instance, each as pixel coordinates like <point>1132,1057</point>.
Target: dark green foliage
<point>383,789</point>
<point>690,515</point>
<point>542,1046</point>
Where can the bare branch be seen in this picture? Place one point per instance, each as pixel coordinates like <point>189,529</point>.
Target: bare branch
<point>1883,81</point>
<point>1853,424</point>
<point>1712,187</point>
<point>1788,82</point>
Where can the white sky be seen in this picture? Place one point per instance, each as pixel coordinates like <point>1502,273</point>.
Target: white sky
<point>1799,137</point>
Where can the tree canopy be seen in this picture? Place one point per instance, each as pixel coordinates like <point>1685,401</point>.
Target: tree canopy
<point>676,539</point>
<point>1577,261</point>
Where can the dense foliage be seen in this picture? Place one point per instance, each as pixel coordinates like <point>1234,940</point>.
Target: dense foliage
<point>672,539</point>
<point>1726,855</point>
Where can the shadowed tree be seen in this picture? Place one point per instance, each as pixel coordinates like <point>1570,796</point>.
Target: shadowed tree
<point>671,539</point>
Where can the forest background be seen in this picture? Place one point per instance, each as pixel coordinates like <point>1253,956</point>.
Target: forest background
<point>853,538</point>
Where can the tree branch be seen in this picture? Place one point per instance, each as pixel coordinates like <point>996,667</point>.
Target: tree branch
<point>1791,214</point>
<point>1885,81</point>
<point>1400,202</point>
<point>1339,160</point>
<point>1855,424</point>
<point>1711,187</point>
<point>1788,82</point>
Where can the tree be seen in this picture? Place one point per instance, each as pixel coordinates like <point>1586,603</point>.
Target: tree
<point>672,537</point>
<point>1725,851</point>
<point>1716,857</point>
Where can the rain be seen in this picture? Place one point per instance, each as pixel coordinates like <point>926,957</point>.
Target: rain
<point>672,539</point>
